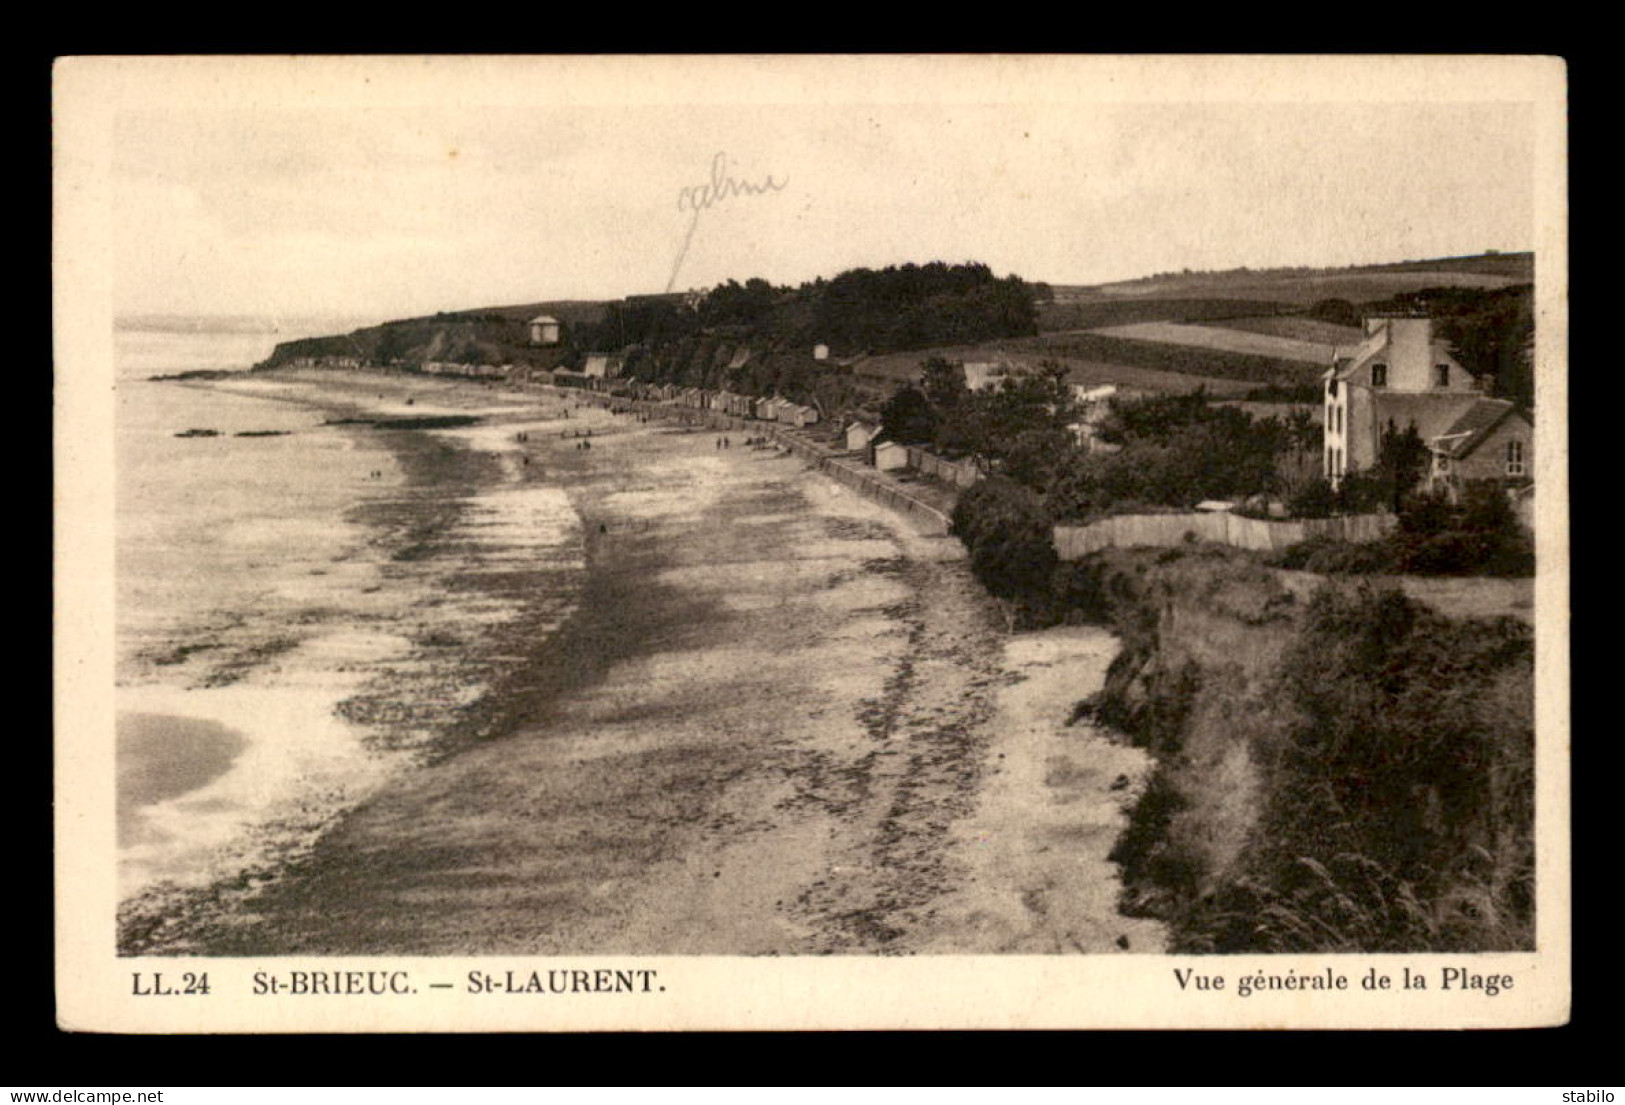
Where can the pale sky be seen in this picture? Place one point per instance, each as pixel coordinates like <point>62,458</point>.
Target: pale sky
<point>383,211</point>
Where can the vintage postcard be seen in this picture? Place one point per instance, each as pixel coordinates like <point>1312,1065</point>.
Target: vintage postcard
<point>834,542</point>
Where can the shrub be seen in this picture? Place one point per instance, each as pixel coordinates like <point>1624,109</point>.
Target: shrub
<point>1296,557</point>
<point>1338,311</point>
<point>908,418</point>
<point>1333,556</point>
<point>1143,841</point>
<point>1077,589</point>
<point>1315,499</point>
<point>1010,537</point>
<point>1481,537</point>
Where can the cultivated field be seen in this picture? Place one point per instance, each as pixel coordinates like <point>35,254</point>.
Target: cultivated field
<point>1295,326</point>
<point>1207,363</point>
<point>1097,311</point>
<point>1094,373</point>
<point>1303,290</point>
<point>1225,340</point>
<point>1301,286</point>
<point>1090,372</point>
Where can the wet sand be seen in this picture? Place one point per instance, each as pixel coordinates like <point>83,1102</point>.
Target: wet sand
<point>771,726</point>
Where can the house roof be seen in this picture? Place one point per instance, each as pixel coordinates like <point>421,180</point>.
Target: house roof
<point>1476,423</point>
<point>1347,358</point>
<point>1432,413</point>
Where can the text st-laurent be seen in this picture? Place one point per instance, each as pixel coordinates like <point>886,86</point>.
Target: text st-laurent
<point>599,981</point>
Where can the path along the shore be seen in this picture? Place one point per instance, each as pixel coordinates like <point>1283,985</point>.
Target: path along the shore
<point>781,722</point>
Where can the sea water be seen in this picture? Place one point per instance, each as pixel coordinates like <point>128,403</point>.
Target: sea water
<point>252,603</point>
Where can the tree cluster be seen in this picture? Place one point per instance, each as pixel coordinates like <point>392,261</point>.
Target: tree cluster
<point>914,306</point>
<point>1390,484</point>
<point>1479,536</point>
<point>1176,451</point>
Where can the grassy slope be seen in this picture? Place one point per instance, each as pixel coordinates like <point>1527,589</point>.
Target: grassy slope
<point>1304,286</point>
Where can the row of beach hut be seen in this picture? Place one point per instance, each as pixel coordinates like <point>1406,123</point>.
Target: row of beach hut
<point>769,409</point>
<point>473,371</point>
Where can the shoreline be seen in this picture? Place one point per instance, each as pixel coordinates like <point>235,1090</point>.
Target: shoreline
<point>341,683</point>
<point>762,730</point>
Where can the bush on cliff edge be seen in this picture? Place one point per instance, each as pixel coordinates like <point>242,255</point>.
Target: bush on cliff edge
<point>1010,537</point>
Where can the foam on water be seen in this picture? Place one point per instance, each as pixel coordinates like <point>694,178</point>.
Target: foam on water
<point>299,765</point>
<point>251,598</point>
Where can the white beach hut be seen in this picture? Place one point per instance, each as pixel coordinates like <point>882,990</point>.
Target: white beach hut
<point>889,455</point>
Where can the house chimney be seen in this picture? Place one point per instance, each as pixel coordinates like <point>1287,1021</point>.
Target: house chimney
<point>1410,353</point>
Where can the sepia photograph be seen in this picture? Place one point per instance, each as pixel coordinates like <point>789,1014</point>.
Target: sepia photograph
<point>581,520</point>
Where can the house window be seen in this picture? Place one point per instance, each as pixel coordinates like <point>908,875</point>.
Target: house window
<point>1379,375</point>
<point>1328,462</point>
<point>1514,458</point>
<point>1331,388</point>
<point>1441,375</point>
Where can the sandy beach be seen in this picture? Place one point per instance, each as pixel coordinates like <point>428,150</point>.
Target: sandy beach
<point>776,720</point>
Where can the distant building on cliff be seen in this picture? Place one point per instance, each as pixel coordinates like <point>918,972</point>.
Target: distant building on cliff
<point>1401,376</point>
<point>544,330</point>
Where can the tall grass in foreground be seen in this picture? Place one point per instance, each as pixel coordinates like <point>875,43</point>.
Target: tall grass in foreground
<point>1357,776</point>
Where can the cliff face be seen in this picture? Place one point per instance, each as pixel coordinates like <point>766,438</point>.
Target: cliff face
<point>495,335</point>
<point>1339,768</point>
<point>417,342</point>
